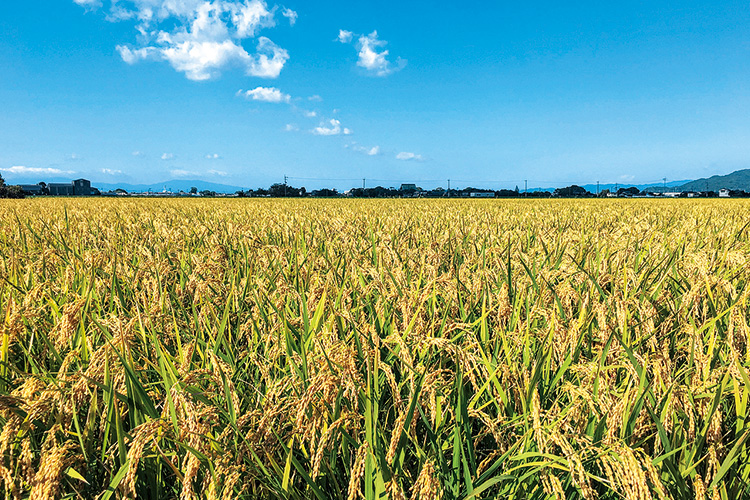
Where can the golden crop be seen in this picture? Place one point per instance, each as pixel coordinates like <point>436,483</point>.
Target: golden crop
<point>339,349</point>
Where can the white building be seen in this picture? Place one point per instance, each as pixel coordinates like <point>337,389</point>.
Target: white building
<point>723,193</point>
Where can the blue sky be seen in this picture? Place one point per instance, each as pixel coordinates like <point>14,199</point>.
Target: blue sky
<point>488,94</point>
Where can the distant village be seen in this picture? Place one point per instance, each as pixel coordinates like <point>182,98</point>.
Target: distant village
<point>83,187</point>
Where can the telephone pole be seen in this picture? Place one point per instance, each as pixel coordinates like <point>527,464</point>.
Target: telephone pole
<point>449,187</point>
<point>363,183</point>
<point>285,181</point>
<point>525,187</point>
<point>597,188</point>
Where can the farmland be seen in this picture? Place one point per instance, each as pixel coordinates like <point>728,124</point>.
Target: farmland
<point>398,349</point>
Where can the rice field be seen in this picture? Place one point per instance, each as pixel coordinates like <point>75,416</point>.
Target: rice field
<point>390,349</point>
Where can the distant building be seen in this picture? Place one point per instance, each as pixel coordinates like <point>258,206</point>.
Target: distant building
<point>723,193</point>
<point>79,187</point>
<point>82,187</point>
<point>33,189</point>
<point>59,189</point>
<point>408,187</point>
<point>475,194</point>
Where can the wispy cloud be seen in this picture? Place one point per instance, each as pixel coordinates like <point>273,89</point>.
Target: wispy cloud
<point>138,154</point>
<point>291,15</point>
<point>74,157</point>
<point>167,156</point>
<point>369,151</point>
<point>21,170</point>
<point>405,156</point>
<point>89,3</point>
<point>200,38</point>
<point>214,156</point>
<point>266,94</point>
<point>183,173</point>
<point>372,55</point>
<point>315,98</point>
<point>109,171</point>
<point>291,127</point>
<point>193,173</point>
<point>333,127</point>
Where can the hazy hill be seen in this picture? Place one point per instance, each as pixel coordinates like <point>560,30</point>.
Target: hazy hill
<point>172,185</point>
<point>739,180</point>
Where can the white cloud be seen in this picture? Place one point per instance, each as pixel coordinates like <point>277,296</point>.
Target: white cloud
<point>291,127</point>
<point>334,128</point>
<point>310,114</point>
<point>315,98</point>
<point>193,173</point>
<point>21,170</point>
<point>74,157</point>
<point>88,3</point>
<point>200,38</point>
<point>291,15</point>
<point>183,173</point>
<point>267,94</point>
<point>138,154</point>
<point>214,156</point>
<point>372,57</point>
<point>109,171</point>
<point>345,36</point>
<point>409,156</point>
<point>369,151</point>
<point>167,156</point>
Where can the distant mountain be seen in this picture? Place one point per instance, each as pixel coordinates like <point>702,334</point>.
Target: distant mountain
<point>174,186</point>
<point>739,180</point>
<point>654,186</point>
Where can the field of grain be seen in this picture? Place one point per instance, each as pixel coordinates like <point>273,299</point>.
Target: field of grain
<point>374,349</point>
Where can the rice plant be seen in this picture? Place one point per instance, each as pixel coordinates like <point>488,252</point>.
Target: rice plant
<point>340,349</point>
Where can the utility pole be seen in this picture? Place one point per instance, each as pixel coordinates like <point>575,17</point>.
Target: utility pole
<point>525,187</point>
<point>363,183</point>
<point>597,188</point>
<point>449,187</point>
<point>285,180</point>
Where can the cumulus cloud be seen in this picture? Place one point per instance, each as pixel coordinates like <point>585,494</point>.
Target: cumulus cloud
<point>345,36</point>
<point>200,38</point>
<point>310,114</point>
<point>372,55</point>
<point>21,170</point>
<point>167,156</point>
<point>267,94</point>
<point>405,156</point>
<point>291,15</point>
<point>333,127</point>
<point>109,171</point>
